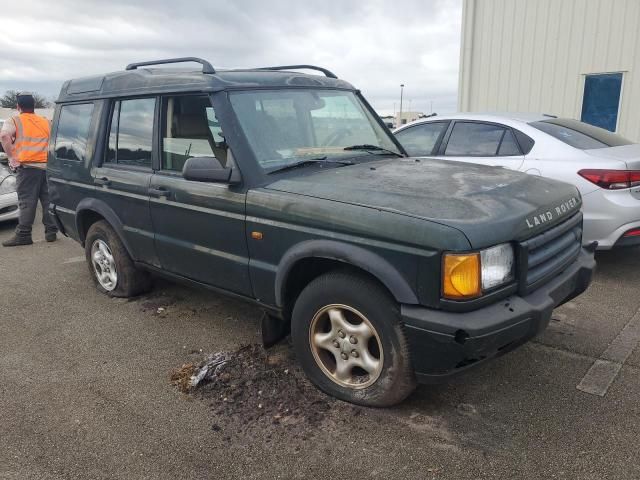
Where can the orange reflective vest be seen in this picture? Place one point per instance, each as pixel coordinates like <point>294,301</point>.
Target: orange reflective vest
<point>32,138</point>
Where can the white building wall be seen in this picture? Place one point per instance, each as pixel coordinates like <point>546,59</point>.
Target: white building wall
<point>532,55</point>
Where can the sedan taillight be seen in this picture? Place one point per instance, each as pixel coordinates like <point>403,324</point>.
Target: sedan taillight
<point>612,179</point>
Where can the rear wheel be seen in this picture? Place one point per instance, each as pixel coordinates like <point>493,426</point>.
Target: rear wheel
<point>110,265</point>
<point>350,341</point>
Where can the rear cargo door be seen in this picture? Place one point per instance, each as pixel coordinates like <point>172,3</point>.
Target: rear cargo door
<point>70,150</point>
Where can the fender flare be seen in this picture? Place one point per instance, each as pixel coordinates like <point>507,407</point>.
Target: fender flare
<point>349,254</point>
<point>101,208</point>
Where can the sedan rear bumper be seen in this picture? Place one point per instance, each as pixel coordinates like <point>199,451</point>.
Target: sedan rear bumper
<point>608,215</point>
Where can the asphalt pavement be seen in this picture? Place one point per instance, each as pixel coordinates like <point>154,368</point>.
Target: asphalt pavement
<point>85,391</point>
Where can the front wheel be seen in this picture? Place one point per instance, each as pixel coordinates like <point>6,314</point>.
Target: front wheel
<point>350,341</point>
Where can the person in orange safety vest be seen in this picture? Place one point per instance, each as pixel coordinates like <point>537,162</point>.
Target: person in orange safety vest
<point>25,139</point>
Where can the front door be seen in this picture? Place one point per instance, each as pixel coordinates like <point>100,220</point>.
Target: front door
<point>199,227</point>
<point>124,175</point>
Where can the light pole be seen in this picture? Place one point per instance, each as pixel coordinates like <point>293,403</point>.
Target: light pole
<point>400,114</point>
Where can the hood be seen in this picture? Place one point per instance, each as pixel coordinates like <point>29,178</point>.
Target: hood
<point>629,154</point>
<point>490,205</point>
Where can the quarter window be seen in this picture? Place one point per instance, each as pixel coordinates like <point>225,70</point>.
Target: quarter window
<point>131,134</point>
<point>190,129</point>
<point>73,131</point>
<point>422,139</point>
<point>508,146</point>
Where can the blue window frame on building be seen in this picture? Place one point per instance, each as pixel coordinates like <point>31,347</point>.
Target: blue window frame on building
<point>601,100</point>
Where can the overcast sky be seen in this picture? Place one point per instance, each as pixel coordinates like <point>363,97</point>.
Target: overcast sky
<point>374,44</point>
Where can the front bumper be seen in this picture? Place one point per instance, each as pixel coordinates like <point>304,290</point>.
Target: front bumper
<point>444,344</point>
<point>9,206</point>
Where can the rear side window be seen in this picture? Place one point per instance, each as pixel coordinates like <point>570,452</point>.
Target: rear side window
<point>422,139</point>
<point>131,133</point>
<point>525,141</point>
<point>580,135</point>
<point>481,140</point>
<point>73,131</point>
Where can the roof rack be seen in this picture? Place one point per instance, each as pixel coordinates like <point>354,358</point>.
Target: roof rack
<point>206,66</point>
<point>327,73</point>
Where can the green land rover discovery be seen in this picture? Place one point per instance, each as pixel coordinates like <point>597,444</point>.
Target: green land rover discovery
<point>287,190</point>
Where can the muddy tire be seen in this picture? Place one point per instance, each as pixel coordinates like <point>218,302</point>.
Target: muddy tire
<point>349,339</point>
<point>110,265</point>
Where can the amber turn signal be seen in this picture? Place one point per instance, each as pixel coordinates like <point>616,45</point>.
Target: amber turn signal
<point>461,276</point>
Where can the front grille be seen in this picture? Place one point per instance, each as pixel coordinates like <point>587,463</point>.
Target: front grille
<point>546,255</point>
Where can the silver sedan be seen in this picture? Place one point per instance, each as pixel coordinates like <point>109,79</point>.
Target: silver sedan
<point>604,166</point>
<point>8,196</point>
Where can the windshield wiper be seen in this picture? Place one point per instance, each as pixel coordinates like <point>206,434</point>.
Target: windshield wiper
<point>311,161</point>
<point>375,148</point>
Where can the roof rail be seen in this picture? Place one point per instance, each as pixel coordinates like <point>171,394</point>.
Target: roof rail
<point>206,66</point>
<point>327,73</point>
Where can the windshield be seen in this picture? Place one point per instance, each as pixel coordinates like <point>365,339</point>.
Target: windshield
<point>285,127</point>
<point>579,134</point>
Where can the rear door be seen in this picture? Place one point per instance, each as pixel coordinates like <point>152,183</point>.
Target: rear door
<point>199,227</point>
<point>482,142</point>
<point>123,178</point>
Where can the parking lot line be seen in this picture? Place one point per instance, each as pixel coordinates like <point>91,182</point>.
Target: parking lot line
<point>605,370</point>
<point>74,259</point>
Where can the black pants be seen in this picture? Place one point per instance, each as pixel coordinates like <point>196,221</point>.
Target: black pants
<point>32,186</point>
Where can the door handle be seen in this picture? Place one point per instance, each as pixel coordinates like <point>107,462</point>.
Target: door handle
<point>102,181</point>
<point>159,192</point>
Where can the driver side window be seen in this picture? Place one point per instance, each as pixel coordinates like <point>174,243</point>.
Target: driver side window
<point>190,129</point>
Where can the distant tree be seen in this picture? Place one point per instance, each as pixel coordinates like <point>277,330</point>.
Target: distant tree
<point>10,100</point>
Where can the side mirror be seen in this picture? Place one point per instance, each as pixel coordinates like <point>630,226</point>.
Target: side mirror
<point>209,169</point>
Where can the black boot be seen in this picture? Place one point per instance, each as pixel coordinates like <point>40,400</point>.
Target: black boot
<point>50,237</point>
<point>17,240</point>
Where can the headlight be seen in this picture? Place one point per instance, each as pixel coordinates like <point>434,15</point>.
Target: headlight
<point>497,265</point>
<point>8,185</point>
<point>468,275</point>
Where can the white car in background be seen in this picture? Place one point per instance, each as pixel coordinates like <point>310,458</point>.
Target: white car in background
<point>8,196</point>
<point>604,166</point>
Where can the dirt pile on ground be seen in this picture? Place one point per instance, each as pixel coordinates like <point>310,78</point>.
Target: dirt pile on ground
<point>181,377</point>
<point>255,389</point>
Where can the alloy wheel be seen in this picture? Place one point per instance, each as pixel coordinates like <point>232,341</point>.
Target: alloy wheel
<point>104,265</point>
<point>346,346</point>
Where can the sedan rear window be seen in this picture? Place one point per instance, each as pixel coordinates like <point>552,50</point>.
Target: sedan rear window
<point>580,135</point>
